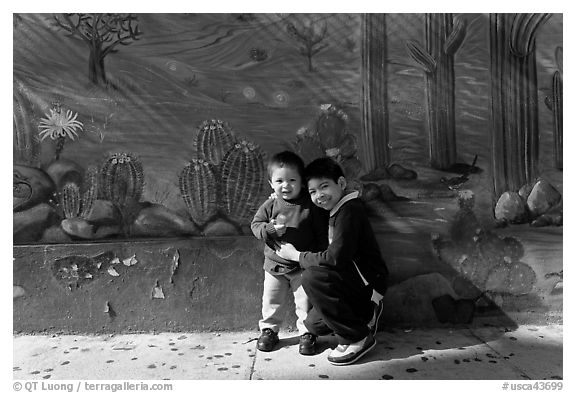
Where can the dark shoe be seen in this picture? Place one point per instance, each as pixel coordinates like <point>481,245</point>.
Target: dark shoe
<point>345,354</point>
<point>268,340</point>
<point>373,324</point>
<point>307,345</point>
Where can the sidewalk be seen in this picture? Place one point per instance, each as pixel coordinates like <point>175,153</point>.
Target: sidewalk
<point>485,353</point>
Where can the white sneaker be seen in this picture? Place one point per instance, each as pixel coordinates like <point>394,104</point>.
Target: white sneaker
<point>345,354</point>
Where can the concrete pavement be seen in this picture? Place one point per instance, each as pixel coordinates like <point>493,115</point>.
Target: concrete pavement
<point>528,352</point>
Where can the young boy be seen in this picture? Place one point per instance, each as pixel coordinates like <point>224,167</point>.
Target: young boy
<point>288,217</point>
<point>340,280</point>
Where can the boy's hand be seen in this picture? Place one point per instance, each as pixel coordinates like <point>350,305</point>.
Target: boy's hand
<point>280,229</point>
<point>280,224</point>
<point>287,251</point>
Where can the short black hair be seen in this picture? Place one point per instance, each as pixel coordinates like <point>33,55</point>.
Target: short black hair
<point>323,168</point>
<point>284,159</point>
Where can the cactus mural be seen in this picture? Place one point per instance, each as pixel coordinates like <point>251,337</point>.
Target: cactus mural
<point>75,200</point>
<point>122,178</point>
<point>26,146</point>
<point>243,175</point>
<point>328,136</point>
<point>515,133</point>
<point>444,36</point>
<point>70,200</point>
<point>308,146</point>
<point>213,140</point>
<point>374,137</point>
<point>198,187</point>
<point>226,179</point>
<point>89,190</point>
<point>555,104</point>
<point>363,106</point>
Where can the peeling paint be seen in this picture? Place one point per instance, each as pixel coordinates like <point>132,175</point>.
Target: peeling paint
<point>18,291</point>
<point>112,271</point>
<point>130,261</point>
<point>175,264</point>
<point>75,270</point>
<point>109,310</point>
<point>157,292</point>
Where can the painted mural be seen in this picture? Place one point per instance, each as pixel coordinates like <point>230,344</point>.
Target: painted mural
<point>147,126</point>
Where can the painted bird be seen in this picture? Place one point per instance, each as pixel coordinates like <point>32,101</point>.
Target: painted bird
<point>454,183</point>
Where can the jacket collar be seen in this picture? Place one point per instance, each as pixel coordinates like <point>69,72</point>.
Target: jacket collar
<point>345,198</point>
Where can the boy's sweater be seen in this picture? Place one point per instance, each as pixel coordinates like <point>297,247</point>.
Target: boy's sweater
<point>306,229</point>
<point>351,241</point>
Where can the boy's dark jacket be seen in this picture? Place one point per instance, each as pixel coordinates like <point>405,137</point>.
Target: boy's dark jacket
<point>306,229</point>
<point>351,241</point>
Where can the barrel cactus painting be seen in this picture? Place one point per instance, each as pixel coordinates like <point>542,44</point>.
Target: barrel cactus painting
<point>213,140</point>
<point>199,189</point>
<point>243,179</point>
<point>225,178</point>
<point>76,199</point>
<point>122,178</point>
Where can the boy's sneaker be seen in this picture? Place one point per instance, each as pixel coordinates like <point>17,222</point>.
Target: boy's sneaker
<point>307,344</point>
<point>267,340</point>
<point>349,353</point>
<point>373,324</point>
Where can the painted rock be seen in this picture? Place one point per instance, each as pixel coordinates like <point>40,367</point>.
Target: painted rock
<point>63,171</point>
<point>31,186</point>
<point>510,208</point>
<point>158,220</point>
<point>542,197</point>
<point>29,225</point>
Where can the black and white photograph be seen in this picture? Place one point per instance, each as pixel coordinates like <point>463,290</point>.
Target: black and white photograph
<point>301,196</point>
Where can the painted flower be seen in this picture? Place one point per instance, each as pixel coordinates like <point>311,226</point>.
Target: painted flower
<point>302,131</point>
<point>59,124</point>
<point>334,152</point>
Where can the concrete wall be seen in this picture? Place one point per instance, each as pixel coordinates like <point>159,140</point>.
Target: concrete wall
<point>177,285</point>
<point>215,283</point>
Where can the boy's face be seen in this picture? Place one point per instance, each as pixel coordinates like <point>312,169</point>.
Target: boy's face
<point>325,193</point>
<point>286,182</point>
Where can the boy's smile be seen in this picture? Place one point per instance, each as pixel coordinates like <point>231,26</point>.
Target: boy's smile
<point>326,193</point>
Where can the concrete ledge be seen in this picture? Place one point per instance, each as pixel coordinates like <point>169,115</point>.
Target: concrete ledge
<point>174,285</point>
<point>196,284</point>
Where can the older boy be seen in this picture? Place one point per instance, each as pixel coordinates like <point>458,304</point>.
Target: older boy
<point>340,280</point>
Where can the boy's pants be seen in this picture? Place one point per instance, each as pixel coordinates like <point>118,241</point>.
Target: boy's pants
<point>275,299</point>
<point>341,303</point>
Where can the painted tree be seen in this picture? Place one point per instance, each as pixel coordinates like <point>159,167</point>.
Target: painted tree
<point>514,97</point>
<point>375,133</point>
<point>102,33</point>
<point>444,36</point>
<point>310,36</point>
